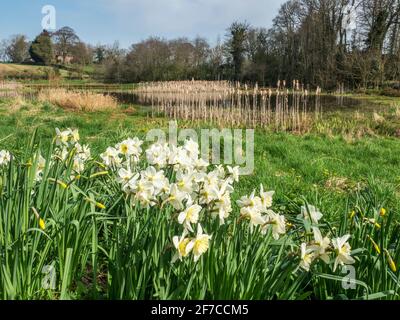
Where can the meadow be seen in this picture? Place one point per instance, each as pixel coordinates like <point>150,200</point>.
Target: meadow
<point>89,222</point>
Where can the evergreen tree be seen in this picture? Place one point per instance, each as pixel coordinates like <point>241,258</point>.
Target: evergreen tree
<point>41,50</point>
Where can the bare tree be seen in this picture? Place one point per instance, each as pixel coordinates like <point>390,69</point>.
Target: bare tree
<point>65,39</point>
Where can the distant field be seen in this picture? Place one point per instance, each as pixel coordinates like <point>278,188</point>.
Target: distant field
<point>40,73</point>
<point>23,71</point>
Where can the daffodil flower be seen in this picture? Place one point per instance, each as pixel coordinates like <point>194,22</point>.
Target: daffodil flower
<point>130,147</point>
<point>306,257</point>
<point>233,173</point>
<point>310,212</point>
<point>277,222</point>
<point>5,157</point>
<point>192,148</point>
<point>189,215</point>
<point>111,158</point>
<point>266,197</point>
<point>199,245</point>
<point>181,246</point>
<point>176,197</point>
<point>321,245</point>
<point>157,154</point>
<point>343,251</point>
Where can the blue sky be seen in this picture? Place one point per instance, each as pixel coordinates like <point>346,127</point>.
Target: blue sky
<point>129,21</point>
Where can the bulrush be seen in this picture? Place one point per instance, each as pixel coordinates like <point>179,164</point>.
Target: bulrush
<point>232,104</point>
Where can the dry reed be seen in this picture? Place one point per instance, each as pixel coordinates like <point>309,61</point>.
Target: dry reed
<point>78,100</point>
<point>10,89</point>
<point>233,104</point>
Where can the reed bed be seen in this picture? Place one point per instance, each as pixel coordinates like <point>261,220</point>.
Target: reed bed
<point>186,86</point>
<point>78,100</point>
<point>10,89</point>
<point>233,104</point>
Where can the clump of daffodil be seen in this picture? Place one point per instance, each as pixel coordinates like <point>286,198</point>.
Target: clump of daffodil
<point>257,209</point>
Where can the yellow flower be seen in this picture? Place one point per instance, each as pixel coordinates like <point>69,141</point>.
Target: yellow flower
<point>60,183</point>
<point>377,249</point>
<point>390,261</point>
<point>97,204</point>
<point>382,212</point>
<point>100,205</point>
<point>42,224</point>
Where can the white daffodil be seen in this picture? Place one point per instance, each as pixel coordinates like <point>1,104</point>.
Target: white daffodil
<point>63,137</point>
<point>266,197</point>
<point>78,165</point>
<point>127,179</point>
<point>200,244</point>
<point>189,215</point>
<point>343,251</point>
<point>233,173</point>
<point>155,178</point>
<point>124,175</point>
<point>176,197</point>
<point>184,181</point>
<point>74,135</point>
<point>306,257</point>
<point>143,192</point>
<point>222,206</point>
<point>251,201</point>
<point>5,157</point>
<point>312,213</point>
<point>158,154</point>
<point>208,193</point>
<point>63,153</point>
<point>201,165</point>
<point>252,214</point>
<point>83,152</point>
<point>130,147</point>
<point>277,222</point>
<point>111,157</point>
<point>41,164</point>
<point>192,148</point>
<point>220,171</point>
<point>179,159</point>
<point>183,160</point>
<point>321,244</point>
<point>180,243</point>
